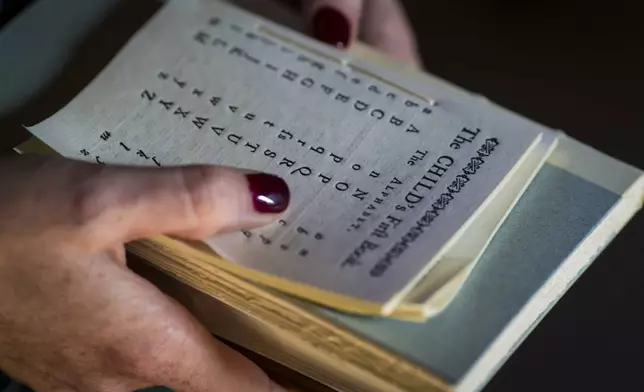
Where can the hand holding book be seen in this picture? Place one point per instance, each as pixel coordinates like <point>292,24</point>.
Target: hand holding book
<point>394,183</point>
<point>99,208</point>
<point>423,170</point>
<point>381,24</point>
<point>72,309</point>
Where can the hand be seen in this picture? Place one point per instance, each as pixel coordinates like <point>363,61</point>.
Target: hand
<point>381,24</point>
<point>73,317</point>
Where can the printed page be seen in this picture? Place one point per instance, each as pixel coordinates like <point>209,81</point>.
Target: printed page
<point>381,176</point>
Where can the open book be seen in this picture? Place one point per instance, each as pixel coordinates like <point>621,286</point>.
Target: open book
<point>397,185</point>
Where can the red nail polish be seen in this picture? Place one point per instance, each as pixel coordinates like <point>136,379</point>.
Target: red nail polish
<point>270,193</point>
<point>331,27</point>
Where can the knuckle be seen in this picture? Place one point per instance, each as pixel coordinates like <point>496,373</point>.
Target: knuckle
<point>147,357</point>
<point>199,184</point>
<point>90,203</point>
<point>135,360</point>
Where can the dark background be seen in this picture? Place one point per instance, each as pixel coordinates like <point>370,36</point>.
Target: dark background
<point>578,67</point>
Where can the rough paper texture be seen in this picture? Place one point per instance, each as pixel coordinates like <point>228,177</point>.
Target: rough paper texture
<point>381,176</point>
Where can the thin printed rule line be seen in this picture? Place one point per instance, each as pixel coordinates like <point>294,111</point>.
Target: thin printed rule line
<point>345,64</point>
<point>286,40</point>
<point>429,101</point>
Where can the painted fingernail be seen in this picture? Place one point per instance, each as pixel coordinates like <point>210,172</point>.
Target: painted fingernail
<point>270,193</point>
<point>331,27</point>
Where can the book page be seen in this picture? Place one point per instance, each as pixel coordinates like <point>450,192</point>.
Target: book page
<point>381,176</point>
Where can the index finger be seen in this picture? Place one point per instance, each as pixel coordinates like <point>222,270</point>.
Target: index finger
<point>334,22</point>
<point>385,26</point>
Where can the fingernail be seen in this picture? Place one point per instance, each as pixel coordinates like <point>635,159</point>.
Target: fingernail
<point>270,193</point>
<point>331,27</point>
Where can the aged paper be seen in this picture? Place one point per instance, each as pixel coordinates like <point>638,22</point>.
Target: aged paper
<point>382,174</point>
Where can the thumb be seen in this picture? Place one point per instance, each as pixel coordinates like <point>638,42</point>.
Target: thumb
<point>123,203</point>
<point>179,352</point>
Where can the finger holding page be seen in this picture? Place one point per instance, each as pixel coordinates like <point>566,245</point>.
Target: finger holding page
<point>382,24</point>
<point>385,26</point>
<point>192,202</point>
<point>73,316</point>
<point>334,22</point>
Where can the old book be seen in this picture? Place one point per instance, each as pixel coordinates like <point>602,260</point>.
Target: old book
<point>397,187</point>
<point>574,206</point>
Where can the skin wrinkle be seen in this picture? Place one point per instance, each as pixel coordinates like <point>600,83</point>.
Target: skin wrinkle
<point>198,190</point>
<point>73,316</point>
<point>104,316</point>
